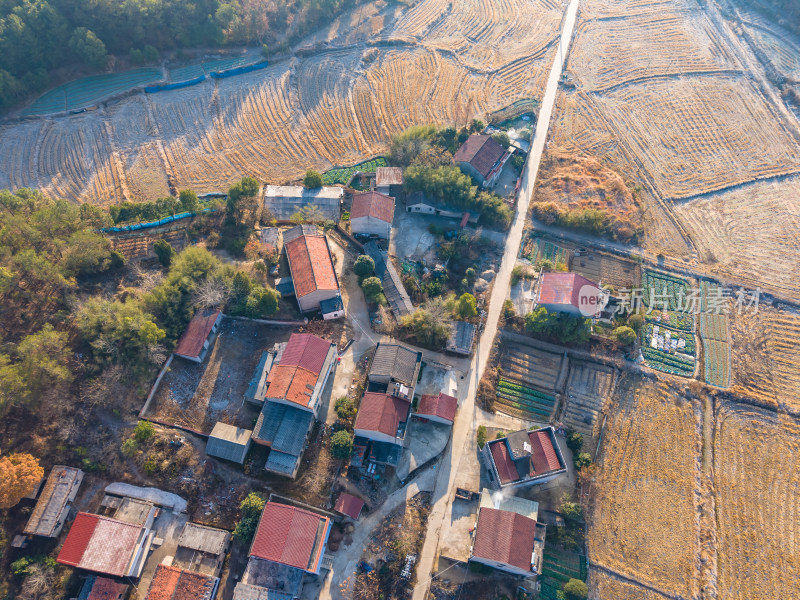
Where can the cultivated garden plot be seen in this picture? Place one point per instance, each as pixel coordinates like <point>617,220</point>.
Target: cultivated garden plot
<point>643,518</point>
<point>607,269</point>
<point>527,382</point>
<point>713,331</point>
<point>588,388</point>
<point>699,134</point>
<point>756,456</point>
<point>535,249</point>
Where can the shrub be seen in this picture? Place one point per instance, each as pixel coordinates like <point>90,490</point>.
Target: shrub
<point>481,436</point>
<point>129,447</point>
<point>581,460</point>
<point>572,511</point>
<point>636,321</point>
<point>345,408</point>
<point>509,311</point>
<point>471,274</point>
<point>466,307</point>
<point>164,251</point>
<point>143,431</point>
<point>313,179</point>
<point>364,267</point>
<point>21,567</point>
<point>342,444</point>
<point>574,441</point>
<point>373,288</point>
<point>575,589</point>
<point>625,335</point>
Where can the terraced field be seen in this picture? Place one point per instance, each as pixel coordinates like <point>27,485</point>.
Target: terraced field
<point>589,387</point>
<point>756,466</point>
<point>643,519</point>
<point>531,366</point>
<point>608,269</point>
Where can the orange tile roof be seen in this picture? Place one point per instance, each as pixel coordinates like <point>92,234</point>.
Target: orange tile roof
<point>295,384</point>
<point>373,204</point>
<point>199,328</point>
<point>505,537</point>
<point>311,264</point>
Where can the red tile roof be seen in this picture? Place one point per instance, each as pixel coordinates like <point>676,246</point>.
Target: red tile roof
<point>100,544</point>
<point>506,468</point>
<point>382,413</point>
<point>349,505</point>
<point>543,455</point>
<point>290,536</point>
<point>311,264</point>
<point>441,405</point>
<point>480,151</point>
<point>172,583</point>
<point>295,384</point>
<point>388,176</point>
<point>562,288</point>
<point>505,537</point>
<point>306,350</point>
<point>198,330</point>
<point>373,204</point>
<point>106,589</point>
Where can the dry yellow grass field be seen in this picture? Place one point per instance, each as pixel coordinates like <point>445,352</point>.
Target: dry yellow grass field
<point>605,585</point>
<point>643,522</point>
<point>442,62</point>
<point>756,458</point>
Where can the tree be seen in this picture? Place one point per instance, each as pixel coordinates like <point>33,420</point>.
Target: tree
<point>625,335</point>
<point>574,440</point>
<point>364,267</point>
<point>342,444</point>
<point>476,126</point>
<point>143,431</point>
<point>373,288</point>
<point>19,474</point>
<point>429,324</point>
<point>501,137</point>
<point>575,589</point>
<point>465,307</point>
<point>189,201</point>
<point>164,251</point>
<point>636,321</point>
<point>581,460</point>
<point>250,512</point>
<point>88,47</point>
<point>312,179</point>
<point>345,409</point>
<point>481,436</point>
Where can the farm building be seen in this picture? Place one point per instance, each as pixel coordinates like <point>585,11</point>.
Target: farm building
<point>284,201</point>
<point>311,265</point>
<point>229,442</point>
<point>292,399</point>
<point>482,158</point>
<point>202,549</point>
<point>462,337</point>
<point>288,546</point>
<point>372,214</point>
<point>388,180</point>
<point>52,507</point>
<point>569,293</point>
<point>440,408</point>
<point>393,287</point>
<point>284,286</point>
<point>102,588</point>
<point>194,342</point>
<point>394,369</point>
<point>380,426</point>
<point>108,546</point>
<point>506,535</point>
<point>171,582</point>
<point>257,387</point>
<point>332,309</point>
<point>523,458</point>
<point>271,240</point>
<point>349,506</point>
<point>421,204</point>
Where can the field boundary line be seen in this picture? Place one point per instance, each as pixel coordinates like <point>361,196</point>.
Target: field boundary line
<point>626,579</point>
<point>666,77</point>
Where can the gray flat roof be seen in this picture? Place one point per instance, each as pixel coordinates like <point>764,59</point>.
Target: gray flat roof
<point>396,361</point>
<point>47,514</point>
<point>204,539</point>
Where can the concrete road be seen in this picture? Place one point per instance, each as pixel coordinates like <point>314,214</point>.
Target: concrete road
<point>464,428</point>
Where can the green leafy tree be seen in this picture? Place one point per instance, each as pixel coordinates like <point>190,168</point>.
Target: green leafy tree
<point>312,179</point>
<point>345,409</point>
<point>189,201</point>
<point>466,306</point>
<point>250,511</point>
<point>636,321</point>
<point>143,431</point>
<point>429,324</point>
<point>481,436</point>
<point>373,288</point>
<point>476,126</point>
<point>364,267</point>
<point>625,335</point>
<point>88,47</point>
<point>342,444</point>
<point>574,441</point>
<point>164,251</point>
<point>581,460</point>
<point>575,589</point>
<point>501,137</point>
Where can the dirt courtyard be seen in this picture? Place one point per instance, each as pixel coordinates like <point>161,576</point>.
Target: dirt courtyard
<point>196,396</point>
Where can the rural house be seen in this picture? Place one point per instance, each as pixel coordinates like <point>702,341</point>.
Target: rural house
<point>440,408</point>
<point>388,180</point>
<point>202,548</point>
<point>311,266</point>
<point>507,536</point>
<point>288,546</point>
<point>483,158</point>
<point>349,506</point>
<point>523,458</point>
<point>284,201</point>
<point>421,204</point>
<point>102,588</point>
<point>173,583</point>
<point>372,214</point>
<point>382,418</point>
<point>462,336</point>
<point>194,341</point>
<point>292,399</point>
<point>394,369</point>
<point>52,507</point>
<point>568,293</point>
<point>228,442</point>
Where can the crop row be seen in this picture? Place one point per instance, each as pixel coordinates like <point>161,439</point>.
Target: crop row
<point>523,404</point>
<point>674,319</point>
<point>668,362</point>
<point>717,363</point>
<point>342,175</point>
<point>524,390</point>
<point>660,291</point>
<point>665,337</point>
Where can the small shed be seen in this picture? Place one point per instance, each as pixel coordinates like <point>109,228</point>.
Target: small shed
<point>194,342</point>
<point>229,442</point>
<point>271,240</point>
<point>331,309</point>
<point>462,337</point>
<point>349,506</point>
<point>386,178</point>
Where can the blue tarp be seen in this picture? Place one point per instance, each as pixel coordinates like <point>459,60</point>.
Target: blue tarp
<point>238,70</point>
<point>159,223</point>
<point>152,89</point>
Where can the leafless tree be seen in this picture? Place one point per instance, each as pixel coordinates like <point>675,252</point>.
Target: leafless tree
<point>38,584</point>
<point>211,292</point>
<point>147,279</point>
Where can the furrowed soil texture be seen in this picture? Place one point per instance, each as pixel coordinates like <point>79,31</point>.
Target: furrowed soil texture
<point>643,523</point>
<point>440,62</point>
